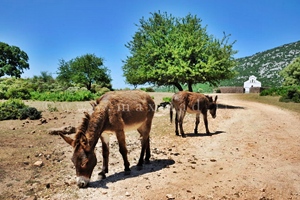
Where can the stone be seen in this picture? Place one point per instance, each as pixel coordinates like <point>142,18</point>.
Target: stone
<point>170,197</point>
<point>38,163</point>
<point>127,194</point>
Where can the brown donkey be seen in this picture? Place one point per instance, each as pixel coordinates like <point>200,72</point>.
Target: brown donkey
<point>193,103</point>
<point>113,112</point>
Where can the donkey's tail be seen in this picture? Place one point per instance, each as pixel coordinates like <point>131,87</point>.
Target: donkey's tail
<point>171,112</point>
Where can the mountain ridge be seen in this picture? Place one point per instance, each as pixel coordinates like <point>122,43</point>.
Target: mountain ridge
<point>265,65</point>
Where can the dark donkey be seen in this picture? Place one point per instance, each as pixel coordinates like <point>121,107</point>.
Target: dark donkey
<point>193,103</point>
<point>113,112</point>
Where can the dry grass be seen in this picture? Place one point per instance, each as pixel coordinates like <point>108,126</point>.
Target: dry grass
<point>270,100</point>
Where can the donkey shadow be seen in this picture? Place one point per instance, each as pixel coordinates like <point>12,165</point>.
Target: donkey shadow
<point>203,134</point>
<point>153,166</point>
<point>225,106</point>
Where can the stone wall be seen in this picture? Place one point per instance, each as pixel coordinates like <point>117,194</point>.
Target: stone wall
<point>255,90</point>
<point>231,89</point>
<point>241,89</point>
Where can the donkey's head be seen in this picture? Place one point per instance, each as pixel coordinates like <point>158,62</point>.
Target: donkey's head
<point>212,106</point>
<point>84,158</point>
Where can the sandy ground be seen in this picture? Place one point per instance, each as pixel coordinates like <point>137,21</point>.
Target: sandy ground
<point>252,154</point>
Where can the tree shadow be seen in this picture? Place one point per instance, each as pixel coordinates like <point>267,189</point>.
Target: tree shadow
<point>225,106</point>
<point>204,134</point>
<point>155,165</point>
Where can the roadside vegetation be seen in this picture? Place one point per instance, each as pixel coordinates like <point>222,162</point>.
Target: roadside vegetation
<point>270,100</point>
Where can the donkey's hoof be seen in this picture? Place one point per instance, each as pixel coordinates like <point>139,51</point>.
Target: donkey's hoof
<point>183,135</point>
<point>147,162</point>
<point>101,176</point>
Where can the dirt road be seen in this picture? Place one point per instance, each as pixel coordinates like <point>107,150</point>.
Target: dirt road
<point>252,154</point>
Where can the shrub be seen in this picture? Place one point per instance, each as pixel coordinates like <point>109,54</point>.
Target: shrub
<point>69,95</point>
<point>167,99</point>
<point>102,91</point>
<point>148,89</point>
<point>2,94</point>
<point>17,93</point>
<point>10,109</point>
<point>288,94</point>
<point>29,112</point>
<point>16,109</point>
<point>52,108</point>
<point>292,95</point>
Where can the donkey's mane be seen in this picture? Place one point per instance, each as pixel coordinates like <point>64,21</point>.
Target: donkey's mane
<point>83,127</point>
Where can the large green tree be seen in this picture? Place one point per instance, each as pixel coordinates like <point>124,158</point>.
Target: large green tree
<point>291,73</point>
<point>87,70</point>
<point>174,51</point>
<point>13,60</point>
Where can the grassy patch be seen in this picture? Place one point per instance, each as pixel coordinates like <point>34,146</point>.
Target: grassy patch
<point>270,100</point>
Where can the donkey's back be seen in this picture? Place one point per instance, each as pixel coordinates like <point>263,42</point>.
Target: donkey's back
<point>127,109</point>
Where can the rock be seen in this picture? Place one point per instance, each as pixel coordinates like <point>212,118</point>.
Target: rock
<point>43,121</point>
<point>170,197</point>
<point>63,130</point>
<point>127,194</point>
<point>38,163</point>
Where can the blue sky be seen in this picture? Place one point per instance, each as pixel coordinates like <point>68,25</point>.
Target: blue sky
<point>50,30</point>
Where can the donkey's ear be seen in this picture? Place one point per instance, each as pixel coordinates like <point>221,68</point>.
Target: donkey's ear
<point>69,140</point>
<point>216,98</point>
<point>84,142</point>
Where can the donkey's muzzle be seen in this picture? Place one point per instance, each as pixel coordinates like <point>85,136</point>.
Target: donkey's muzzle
<point>82,181</point>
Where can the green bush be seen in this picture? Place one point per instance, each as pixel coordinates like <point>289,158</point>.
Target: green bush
<point>276,91</point>
<point>29,112</point>
<point>10,109</point>
<point>18,93</point>
<point>16,109</point>
<point>102,91</point>
<point>288,94</point>
<point>69,95</point>
<point>167,99</point>
<point>292,95</point>
<point>2,94</point>
<point>148,89</point>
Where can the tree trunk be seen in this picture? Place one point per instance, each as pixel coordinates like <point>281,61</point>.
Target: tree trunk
<point>190,86</point>
<point>179,87</point>
<point>89,86</point>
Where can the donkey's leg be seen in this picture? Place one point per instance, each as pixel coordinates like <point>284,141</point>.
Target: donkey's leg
<point>148,152</point>
<point>144,131</point>
<point>197,123</point>
<point>180,121</point>
<point>206,123</point>
<point>123,150</point>
<point>176,123</point>
<point>105,154</point>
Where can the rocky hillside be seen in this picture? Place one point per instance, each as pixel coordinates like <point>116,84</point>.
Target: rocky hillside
<point>265,65</point>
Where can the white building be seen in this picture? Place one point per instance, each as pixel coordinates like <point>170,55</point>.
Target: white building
<point>252,82</point>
